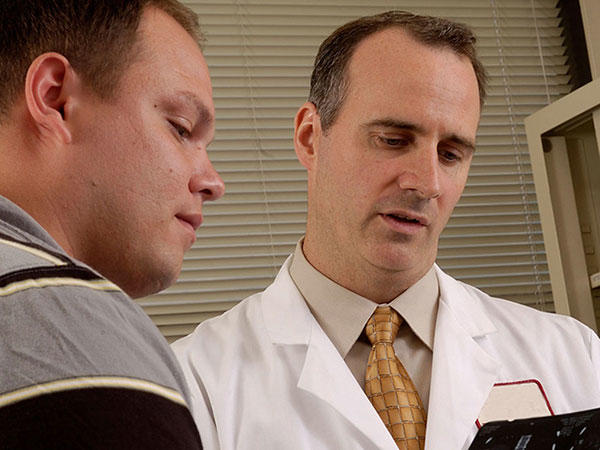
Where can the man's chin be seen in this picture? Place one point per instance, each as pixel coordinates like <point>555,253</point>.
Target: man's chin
<point>148,286</point>
<point>151,281</point>
<point>399,257</point>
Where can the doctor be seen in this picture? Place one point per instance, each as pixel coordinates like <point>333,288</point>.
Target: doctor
<point>362,342</point>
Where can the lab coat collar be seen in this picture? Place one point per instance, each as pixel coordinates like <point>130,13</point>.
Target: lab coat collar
<point>463,374</point>
<point>468,309</point>
<point>287,317</point>
<point>324,374</point>
<point>288,321</point>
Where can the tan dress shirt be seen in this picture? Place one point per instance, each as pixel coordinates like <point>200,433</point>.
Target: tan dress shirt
<point>342,315</point>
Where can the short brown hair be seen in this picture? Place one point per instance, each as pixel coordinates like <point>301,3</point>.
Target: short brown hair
<point>328,83</point>
<point>96,36</point>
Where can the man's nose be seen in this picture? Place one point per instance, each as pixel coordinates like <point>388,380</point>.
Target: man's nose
<point>206,181</point>
<point>421,172</point>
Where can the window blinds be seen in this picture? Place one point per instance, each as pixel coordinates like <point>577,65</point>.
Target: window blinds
<point>260,54</point>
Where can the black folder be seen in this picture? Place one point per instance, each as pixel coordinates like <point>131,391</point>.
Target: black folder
<point>576,431</point>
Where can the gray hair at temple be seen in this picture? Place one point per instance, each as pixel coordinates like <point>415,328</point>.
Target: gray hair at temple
<point>328,83</point>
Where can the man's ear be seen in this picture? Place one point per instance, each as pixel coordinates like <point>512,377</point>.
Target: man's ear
<point>49,85</point>
<point>307,131</point>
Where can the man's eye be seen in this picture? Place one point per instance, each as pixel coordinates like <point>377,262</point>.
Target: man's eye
<point>183,132</point>
<point>392,141</point>
<point>449,155</point>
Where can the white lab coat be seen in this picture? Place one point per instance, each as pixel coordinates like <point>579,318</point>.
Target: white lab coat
<point>265,376</point>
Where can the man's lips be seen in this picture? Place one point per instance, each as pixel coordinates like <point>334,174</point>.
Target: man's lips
<point>193,220</point>
<point>402,224</point>
<point>407,217</point>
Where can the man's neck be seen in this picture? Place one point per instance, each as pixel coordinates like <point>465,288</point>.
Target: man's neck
<point>363,278</point>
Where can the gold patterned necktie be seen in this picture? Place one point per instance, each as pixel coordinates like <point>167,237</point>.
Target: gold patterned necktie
<point>389,387</point>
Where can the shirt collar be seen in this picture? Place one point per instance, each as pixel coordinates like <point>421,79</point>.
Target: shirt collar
<point>20,222</point>
<point>343,314</point>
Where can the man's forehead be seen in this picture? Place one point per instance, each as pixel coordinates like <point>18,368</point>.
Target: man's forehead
<point>400,77</point>
<point>158,31</point>
<point>397,47</point>
<point>392,41</point>
<point>173,62</point>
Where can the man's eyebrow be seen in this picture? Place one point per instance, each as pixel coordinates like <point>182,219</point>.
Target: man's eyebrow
<point>193,101</point>
<point>463,142</point>
<point>392,123</point>
<point>401,125</point>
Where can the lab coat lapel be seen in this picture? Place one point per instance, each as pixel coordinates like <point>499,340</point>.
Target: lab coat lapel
<point>463,373</point>
<point>324,373</point>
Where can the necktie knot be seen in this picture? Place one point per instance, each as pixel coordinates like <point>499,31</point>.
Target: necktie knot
<point>383,325</point>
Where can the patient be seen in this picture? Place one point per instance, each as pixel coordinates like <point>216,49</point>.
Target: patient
<point>106,111</point>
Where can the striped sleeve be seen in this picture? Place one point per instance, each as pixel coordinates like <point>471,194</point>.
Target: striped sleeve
<point>96,414</point>
<point>82,366</point>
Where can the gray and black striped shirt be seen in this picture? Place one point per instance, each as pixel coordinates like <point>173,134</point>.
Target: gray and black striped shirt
<point>81,365</point>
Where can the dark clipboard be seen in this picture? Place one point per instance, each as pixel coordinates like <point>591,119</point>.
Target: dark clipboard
<point>577,431</point>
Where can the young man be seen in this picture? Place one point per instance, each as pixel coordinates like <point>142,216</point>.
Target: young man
<point>362,342</point>
<point>105,114</point>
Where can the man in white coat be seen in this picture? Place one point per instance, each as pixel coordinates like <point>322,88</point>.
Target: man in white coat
<point>387,138</point>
